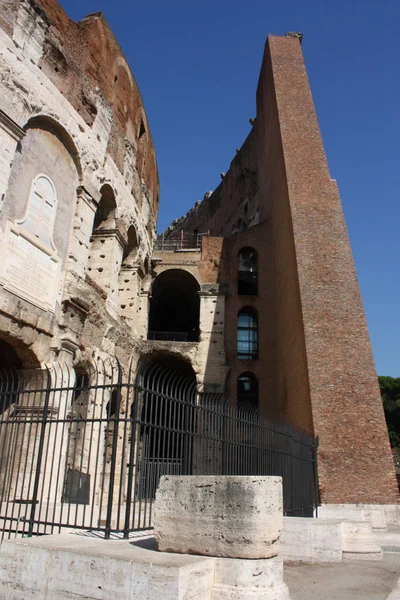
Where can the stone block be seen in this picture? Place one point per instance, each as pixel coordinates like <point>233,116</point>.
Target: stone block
<point>62,567</point>
<point>249,580</point>
<point>311,540</point>
<point>358,542</point>
<point>224,516</point>
<point>374,513</point>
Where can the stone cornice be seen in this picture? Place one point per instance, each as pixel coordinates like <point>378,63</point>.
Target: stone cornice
<point>111,233</point>
<point>9,125</point>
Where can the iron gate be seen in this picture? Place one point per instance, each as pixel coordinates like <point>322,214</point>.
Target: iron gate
<point>86,449</point>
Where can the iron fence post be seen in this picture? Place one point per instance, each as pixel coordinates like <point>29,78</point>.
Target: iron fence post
<point>40,454</point>
<point>315,473</point>
<point>131,461</point>
<point>116,417</point>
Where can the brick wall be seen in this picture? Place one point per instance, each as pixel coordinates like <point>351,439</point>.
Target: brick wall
<point>315,365</point>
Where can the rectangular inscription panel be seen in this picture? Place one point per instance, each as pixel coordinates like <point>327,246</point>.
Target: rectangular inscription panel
<point>29,271</point>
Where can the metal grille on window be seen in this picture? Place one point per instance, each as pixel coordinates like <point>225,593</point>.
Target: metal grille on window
<point>247,334</point>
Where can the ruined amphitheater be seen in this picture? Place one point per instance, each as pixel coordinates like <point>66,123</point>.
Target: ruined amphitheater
<point>252,295</point>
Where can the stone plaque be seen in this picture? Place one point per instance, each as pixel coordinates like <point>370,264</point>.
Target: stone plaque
<point>28,268</point>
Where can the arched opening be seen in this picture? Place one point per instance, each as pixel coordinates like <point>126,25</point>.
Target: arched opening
<point>105,213</point>
<point>9,358</point>
<point>247,390</point>
<point>128,275</point>
<point>247,272</point>
<point>22,393</point>
<point>46,123</point>
<point>247,334</point>
<point>102,252</point>
<point>165,410</point>
<point>77,477</point>
<point>175,307</point>
<point>112,413</point>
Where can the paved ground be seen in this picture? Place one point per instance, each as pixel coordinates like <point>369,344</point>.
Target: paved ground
<point>350,580</point>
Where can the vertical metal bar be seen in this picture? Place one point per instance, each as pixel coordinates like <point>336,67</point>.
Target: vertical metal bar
<point>133,420</point>
<point>40,454</point>
<point>315,473</point>
<point>113,458</point>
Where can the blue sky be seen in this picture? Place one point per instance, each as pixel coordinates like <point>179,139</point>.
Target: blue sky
<point>197,65</point>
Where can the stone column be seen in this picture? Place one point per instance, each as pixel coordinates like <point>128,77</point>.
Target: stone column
<point>238,520</point>
<point>211,355</point>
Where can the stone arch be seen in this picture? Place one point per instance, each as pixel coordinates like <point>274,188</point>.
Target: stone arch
<point>15,354</point>
<point>41,210</point>
<point>120,63</point>
<point>165,409</point>
<point>77,456</point>
<point>51,125</point>
<point>171,361</point>
<point>175,307</point>
<point>40,220</point>
<point>129,255</point>
<point>105,217</point>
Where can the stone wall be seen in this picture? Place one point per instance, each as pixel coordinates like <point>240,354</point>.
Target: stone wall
<point>72,116</point>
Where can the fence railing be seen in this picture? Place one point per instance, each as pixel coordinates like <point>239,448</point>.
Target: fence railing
<point>85,450</point>
<point>183,240</point>
<point>173,336</point>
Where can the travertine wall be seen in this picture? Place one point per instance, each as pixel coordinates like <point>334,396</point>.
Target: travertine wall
<point>72,115</point>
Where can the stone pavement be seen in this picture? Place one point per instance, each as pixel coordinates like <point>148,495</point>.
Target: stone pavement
<point>349,580</point>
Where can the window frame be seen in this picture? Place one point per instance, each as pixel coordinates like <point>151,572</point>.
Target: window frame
<point>251,340</point>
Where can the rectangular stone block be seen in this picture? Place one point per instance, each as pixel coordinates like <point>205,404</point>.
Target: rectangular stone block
<point>224,516</point>
<point>311,540</point>
<point>67,567</point>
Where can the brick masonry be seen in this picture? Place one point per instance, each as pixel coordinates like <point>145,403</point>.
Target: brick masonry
<point>315,364</point>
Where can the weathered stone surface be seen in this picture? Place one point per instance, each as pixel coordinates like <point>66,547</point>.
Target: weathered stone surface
<point>249,580</point>
<point>374,513</point>
<point>231,517</point>
<point>358,542</point>
<point>311,540</point>
<point>62,567</point>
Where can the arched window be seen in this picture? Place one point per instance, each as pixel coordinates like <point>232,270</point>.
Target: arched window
<point>247,332</point>
<point>102,252</point>
<point>41,212</point>
<point>247,389</point>
<point>248,272</point>
<point>128,276</point>
<point>105,214</point>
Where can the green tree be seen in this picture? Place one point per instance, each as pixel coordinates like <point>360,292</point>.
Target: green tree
<point>390,391</point>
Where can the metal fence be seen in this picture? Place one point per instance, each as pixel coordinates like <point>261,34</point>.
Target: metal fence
<point>180,241</point>
<point>86,449</point>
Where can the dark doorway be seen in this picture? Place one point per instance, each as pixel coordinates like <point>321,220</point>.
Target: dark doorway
<point>174,307</point>
<point>166,411</point>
